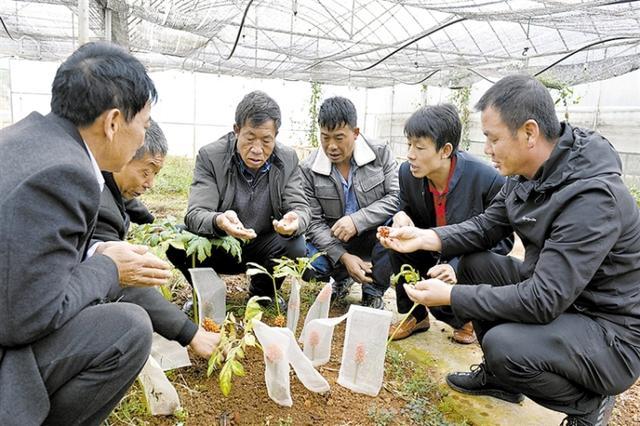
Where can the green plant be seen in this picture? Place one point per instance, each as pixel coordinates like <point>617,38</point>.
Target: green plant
<point>316,92</point>
<point>381,416</point>
<point>460,98</point>
<point>636,194</point>
<point>410,276</point>
<point>565,93</point>
<point>286,267</point>
<point>259,269</point>
<point>233,346</point>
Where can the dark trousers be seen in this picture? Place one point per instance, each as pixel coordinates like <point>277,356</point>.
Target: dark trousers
<point>565,365</point>
<point>421,261</point>
<point>260,250</point>
<point>367,247</point>
<point>90,362</point>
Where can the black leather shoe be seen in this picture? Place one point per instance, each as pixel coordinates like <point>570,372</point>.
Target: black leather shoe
<point>479,381</point>
<point>372,301</point>
<point>598,417</point>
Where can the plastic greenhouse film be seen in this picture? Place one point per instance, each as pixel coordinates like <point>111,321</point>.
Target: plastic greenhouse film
<point>169,354</point>
<point>293,307</point>
<point>275,348</point>
<point>211,292</point>
<point>162,398</point>
<point>362,367</point>
<point>319,308</point>
<point>318,338</point>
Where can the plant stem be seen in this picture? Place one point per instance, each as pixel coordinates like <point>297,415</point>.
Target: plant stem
<point>401,323</point>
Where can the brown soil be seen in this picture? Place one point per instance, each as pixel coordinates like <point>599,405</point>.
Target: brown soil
<point>627,409</point>
<point>249,404</point>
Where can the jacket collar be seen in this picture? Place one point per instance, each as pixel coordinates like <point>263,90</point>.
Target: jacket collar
<point>362,154</point>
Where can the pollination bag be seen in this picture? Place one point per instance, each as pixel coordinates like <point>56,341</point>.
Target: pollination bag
<point>169,354</point>
<point>293,307</point>
<point>280,350</point>
<point>365,344</point>
<point>319,308</point>
<point>162,398</point>
<point>318,338</point>
<point>211,293</point>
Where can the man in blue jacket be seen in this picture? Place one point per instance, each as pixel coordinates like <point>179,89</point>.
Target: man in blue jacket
<point>563,326</point>
<point>439,185</point>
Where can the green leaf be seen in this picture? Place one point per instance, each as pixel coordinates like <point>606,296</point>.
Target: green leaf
<point>225,377</point>
<point>253,309</point>
<point>237,368</point>
<point>249,339</point>
<point>166,292</point>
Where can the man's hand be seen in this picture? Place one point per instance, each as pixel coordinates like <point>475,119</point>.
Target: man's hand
<point>137,267</point>
<point>357,268</point>
<point>443,272</point>
<point>288,225</point>
<point>401,219</point>
<point>409,239</point>
<point>432,292</point>
<point>229,223</point>
<point>204,343</point>
<point>344,229</point>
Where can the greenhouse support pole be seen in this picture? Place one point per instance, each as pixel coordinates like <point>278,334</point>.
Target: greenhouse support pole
<point>83,21</point>
<point>107,24</point>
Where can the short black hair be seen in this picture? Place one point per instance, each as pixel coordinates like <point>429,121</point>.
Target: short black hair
<point>97,77</point>
<point>519,98</point>
<point>440,123</point>
<point>256,108</point>
<point>336,112</point>
<point>155,142</point>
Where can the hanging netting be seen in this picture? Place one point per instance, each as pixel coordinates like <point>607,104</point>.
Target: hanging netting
<point>361,43</point>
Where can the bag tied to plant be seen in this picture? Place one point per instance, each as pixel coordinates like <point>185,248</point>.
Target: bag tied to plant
<point>211,293</point>
<point>162,398</point>
<point>319,308</point>
<point>281,350</point>
<point>363,353</point>
<point>293,307</point>
<point>168,353</point>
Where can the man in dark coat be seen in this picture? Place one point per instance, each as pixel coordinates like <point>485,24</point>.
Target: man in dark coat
<point>65,357</point>
<point>562,327</point>
<point>117,202</point>
<point>249,186</point>
<point>438,186</point>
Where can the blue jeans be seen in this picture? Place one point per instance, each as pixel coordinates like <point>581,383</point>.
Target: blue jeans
<point>367,247</point>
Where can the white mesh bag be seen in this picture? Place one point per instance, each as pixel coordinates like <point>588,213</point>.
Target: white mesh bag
<point>364,349</point>
<point>318,339</point>
<point>162,398</point>
<point>293,307</point>
<point>211,293</point>
<point>319,308</point>
<point>169,354</point>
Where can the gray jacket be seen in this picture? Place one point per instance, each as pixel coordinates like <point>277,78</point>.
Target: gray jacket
<point>375,181</point>
<point>581,230</point>
<point>214,182</point>
<point>49,199</point>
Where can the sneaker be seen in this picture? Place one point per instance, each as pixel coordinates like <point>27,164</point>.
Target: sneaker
<point>598,417</point>
<point>479,381</point>
<point>267,303</point>
<point>340,289</point>
<point>371,301</point>
<point>410,326</point>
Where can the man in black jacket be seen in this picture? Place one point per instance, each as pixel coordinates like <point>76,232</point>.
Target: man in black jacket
<point>562,327</point>
<point>438,186</point>
<point>117,202</point>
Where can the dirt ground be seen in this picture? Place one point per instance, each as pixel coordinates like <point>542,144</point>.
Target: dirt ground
<point>249,404</point>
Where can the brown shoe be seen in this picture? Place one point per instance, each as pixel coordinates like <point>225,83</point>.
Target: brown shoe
<point>464,335</point>
<point>410,326</point>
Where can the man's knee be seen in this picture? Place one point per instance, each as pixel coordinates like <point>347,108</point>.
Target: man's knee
<point>504,355</point>
<point>134,325</point>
